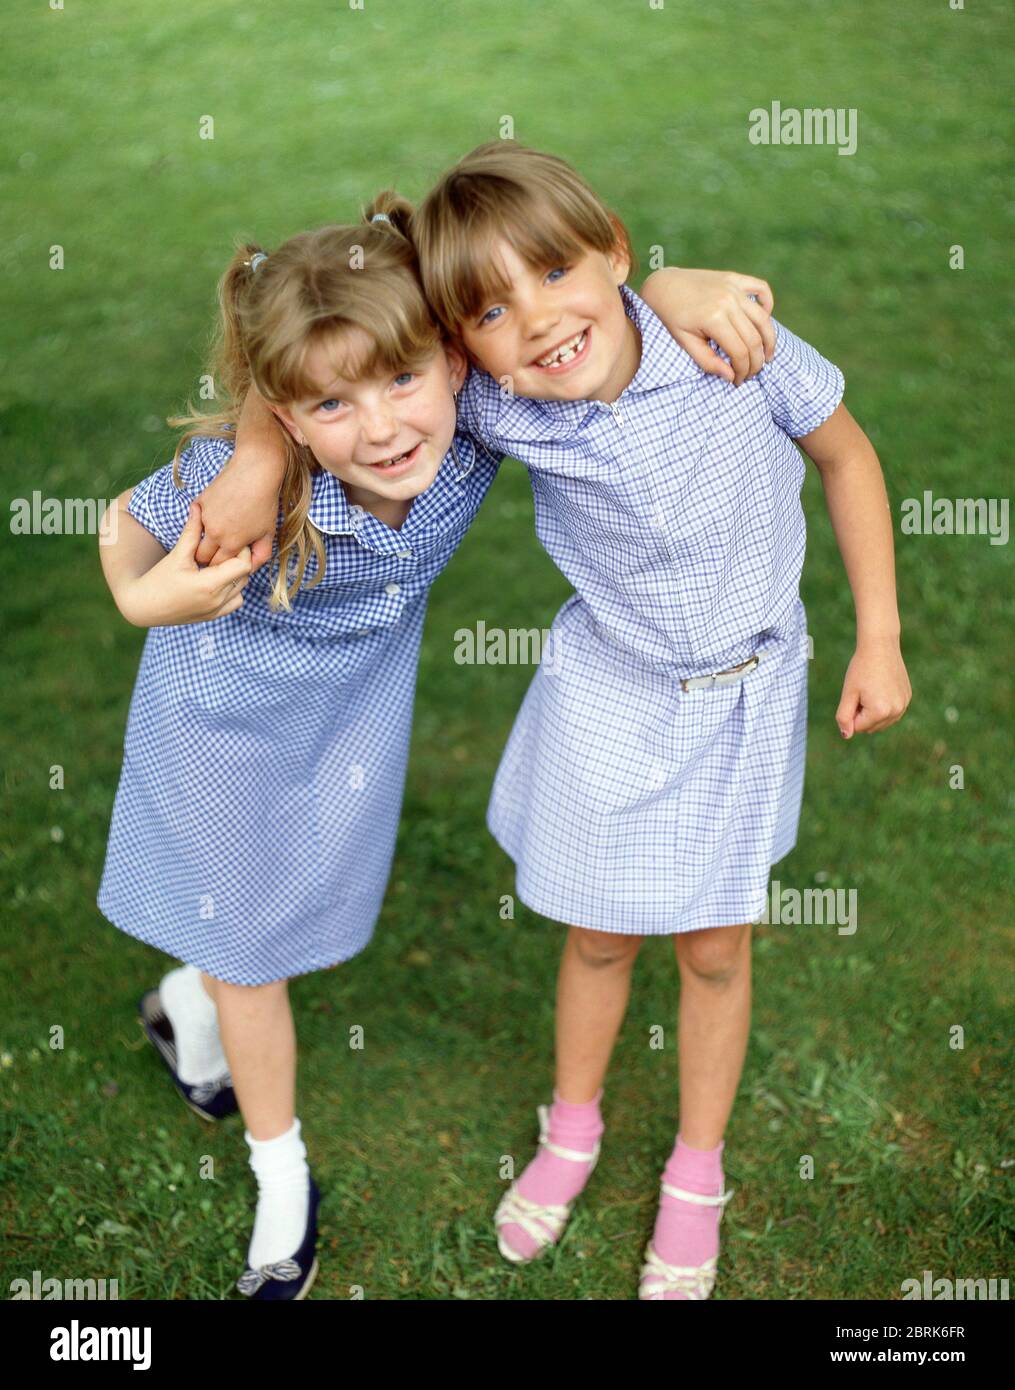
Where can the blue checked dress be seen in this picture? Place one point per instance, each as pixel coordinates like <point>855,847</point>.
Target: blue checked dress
<point>265,753</point>
<point>628,803</point>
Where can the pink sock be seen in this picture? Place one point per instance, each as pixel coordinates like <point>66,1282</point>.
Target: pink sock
<point>551,1180</point>
<point>687,1233</point>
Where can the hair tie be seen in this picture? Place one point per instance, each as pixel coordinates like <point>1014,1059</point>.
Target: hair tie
<point>258,258</point>
<point>380,217</point>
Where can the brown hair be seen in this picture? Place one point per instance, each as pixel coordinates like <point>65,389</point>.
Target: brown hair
<point>536,201</point>
<point>316,285</point>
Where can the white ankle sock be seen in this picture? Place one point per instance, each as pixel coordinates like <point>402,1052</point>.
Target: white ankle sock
<point>283,1183</point>
<point>194,1019</point>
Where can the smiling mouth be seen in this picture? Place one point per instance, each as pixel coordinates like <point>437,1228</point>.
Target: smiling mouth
<point>383,465</point>
<point>564,353</point>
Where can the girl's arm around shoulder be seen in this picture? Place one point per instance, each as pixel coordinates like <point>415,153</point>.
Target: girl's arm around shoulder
<point>876,691</point>
<point>698,305</point>
<point>240,505</point>
<point>153,588</point>
<point>147,549</point>
<point>479,404</point>
<point>487,458</point>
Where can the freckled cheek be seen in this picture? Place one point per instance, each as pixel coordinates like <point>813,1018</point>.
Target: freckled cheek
<point>330,442</point>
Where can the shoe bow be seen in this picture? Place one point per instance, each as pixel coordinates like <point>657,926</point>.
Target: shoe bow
<point>251,1279</point>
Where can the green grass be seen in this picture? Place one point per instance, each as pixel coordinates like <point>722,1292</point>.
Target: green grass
<point>850,1058</point>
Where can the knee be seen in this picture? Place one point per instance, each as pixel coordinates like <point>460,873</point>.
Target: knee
<point>601,949</point>
<point>716,955</point>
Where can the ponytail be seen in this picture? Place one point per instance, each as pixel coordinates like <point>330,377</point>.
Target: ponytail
<point>392,209</point>
<point>230,368</point>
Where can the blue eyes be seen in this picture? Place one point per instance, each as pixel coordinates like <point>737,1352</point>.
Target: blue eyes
<point>403,379</point>
<point>560,270</point>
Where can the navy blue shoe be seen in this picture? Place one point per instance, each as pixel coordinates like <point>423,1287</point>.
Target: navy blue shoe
<point>289,1279</point>
<point>212,1100</point>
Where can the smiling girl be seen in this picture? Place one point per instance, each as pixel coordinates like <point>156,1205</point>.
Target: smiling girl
<point>654,776</point>
<point>266,745</point>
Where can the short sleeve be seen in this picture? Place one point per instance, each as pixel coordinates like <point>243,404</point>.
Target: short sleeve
<point>802,387</point>
<point>160,506</point>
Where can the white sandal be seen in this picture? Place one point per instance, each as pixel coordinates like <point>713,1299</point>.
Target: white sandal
<point>696,1281</point>
<point>543,1224</point>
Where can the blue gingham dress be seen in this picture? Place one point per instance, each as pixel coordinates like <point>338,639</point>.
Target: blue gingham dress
<point>627,803</point>
<point>265,753</point>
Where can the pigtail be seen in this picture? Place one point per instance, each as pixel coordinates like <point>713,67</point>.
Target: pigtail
<point>232,366</point>
<point>229,368</point>
<point>398,210</point>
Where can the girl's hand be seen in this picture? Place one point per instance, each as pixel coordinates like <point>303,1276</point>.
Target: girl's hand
<point>696,305</point>
<point>177,591</point>
<point>876,691</point>
<point>240,508</point>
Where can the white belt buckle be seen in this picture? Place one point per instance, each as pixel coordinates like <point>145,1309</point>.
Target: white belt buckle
<point>735,673</point>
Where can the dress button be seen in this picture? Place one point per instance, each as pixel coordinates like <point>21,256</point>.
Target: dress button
<point>392,589</point>
<point>403,554</point>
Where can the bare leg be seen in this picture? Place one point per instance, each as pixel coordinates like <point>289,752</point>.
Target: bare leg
<point>259,1041</point>
<point>593,987</point>
<point>715,1020</point>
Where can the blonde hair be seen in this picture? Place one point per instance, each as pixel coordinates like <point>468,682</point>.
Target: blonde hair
<point>315,286</point>
<point>535,201</point>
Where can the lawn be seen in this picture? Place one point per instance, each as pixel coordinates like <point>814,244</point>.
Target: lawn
<point>854,1057</point>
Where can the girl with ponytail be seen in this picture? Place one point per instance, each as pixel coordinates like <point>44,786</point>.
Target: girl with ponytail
<point>266,744</point>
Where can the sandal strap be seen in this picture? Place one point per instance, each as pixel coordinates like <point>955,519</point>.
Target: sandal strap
<point>698,1197</point>
<point>577,1155</point>
<point>542,1223</point>
<point>658,1277</point>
